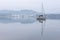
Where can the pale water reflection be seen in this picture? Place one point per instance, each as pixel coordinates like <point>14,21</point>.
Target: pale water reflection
<point>18,31</point>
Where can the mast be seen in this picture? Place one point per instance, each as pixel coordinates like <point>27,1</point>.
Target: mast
<point>43,12</point>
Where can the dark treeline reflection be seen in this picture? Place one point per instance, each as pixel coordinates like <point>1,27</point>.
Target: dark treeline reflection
<point>17,21</point>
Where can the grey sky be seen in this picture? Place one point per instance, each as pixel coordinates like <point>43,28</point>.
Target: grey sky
<point>50,6</point>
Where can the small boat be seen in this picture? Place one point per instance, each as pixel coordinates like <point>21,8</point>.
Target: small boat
<point>41,18</point>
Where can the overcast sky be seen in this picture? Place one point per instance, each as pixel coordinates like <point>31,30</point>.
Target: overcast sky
<point>50,6</point>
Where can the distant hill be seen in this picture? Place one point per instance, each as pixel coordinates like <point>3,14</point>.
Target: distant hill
<point>19,11</point>
<point>53,16</point>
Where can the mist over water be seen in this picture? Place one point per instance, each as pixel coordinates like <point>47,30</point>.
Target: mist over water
<point>18,20</point>
<point>18,31</point>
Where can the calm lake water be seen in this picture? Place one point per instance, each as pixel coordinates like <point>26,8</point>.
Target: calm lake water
<point>18,31</point>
